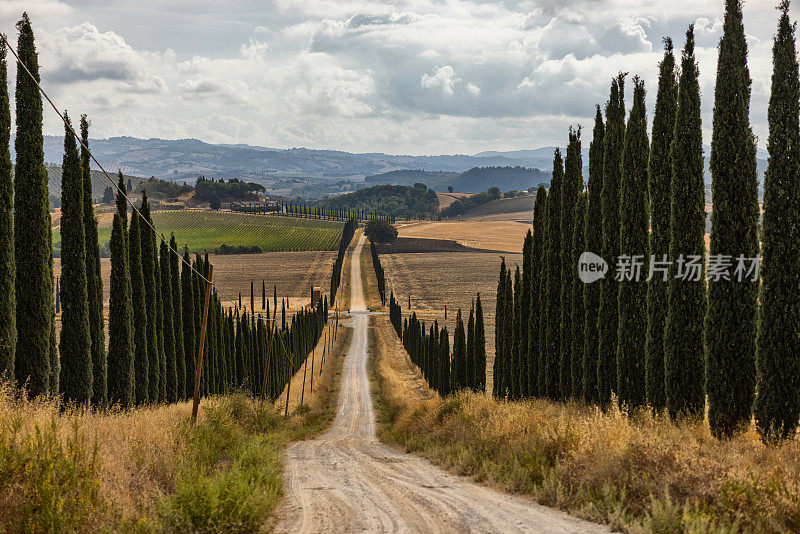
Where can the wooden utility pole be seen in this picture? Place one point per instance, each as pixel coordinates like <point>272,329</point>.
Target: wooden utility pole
<point>269,356</point>
<point>199,369</point>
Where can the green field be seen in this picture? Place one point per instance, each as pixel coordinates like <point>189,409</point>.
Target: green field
<point>207,231</point>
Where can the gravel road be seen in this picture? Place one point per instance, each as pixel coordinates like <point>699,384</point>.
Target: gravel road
<point>347,481</point>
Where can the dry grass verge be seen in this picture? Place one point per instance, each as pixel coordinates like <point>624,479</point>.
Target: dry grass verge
<point>638,474</point>
<point>147,470</point>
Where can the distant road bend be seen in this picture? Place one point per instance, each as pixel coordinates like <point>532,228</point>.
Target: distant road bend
<point>347,481</point>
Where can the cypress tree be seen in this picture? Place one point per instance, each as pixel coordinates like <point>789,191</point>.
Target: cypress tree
<point>508,333</point>
<point>32,239</point>
<point>593,242</point>
<point>470,360</point>
<point>499,334</point>
<point>544,304</point>
<point>76,341</point>
<point>578,311</point>
<point>8,324</point>
<point>571,185</point>
<point>94,282</point>
<point>148,276</point>
<point>534,307</point>
<point>515,369</point>
<point>139,305</point>
<point>459,371</point>
<point>777,406</point>
<point>252,298</point>
<point>444,362</point>
<point>122,202</point>
<point>659,184</point>
<point>120,328</point>
<point>480,346</point>
<point>553,334</point>
<point>170,364</point>
<point>263,295</point>
<point>683,334</point>
<point>177,317</point>
<point>731,315</point>
<point>607,317</point>
<point>632,300</point>
<point>523,322</point>
<point>161,351</point>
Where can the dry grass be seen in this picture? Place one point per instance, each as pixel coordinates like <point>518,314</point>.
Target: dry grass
<point>639,473</point>
<point>505,235</point>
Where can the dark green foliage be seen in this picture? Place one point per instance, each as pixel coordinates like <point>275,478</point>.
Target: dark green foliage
<point>571,185</point>
<point>8,324</point>
<point>348,232</point>
<point>148,276</point>
<point>632,297</point>
<point>120,327</point>
<point>659,184</point>
<point>498,372</point>
<point>458,375</point>
<point>607,317</point>
<point>470,359</point>
<point>508,333</point>
<point>388,201</point>
<point>683,334</point>
<point>552,350</point>
<point>544,305</point>
<point>159,295</point>
<point>380,276</point>
<point>177,317</point>
<point>444,363</point>
<point>731,316</point>
<point>535,306</point>
<point>32,250</point>
<point>523,321</point>
<point>578,311</point>
<point>75,341</point>
<point>593,242</point>
<point>777,404</point>
<point>122,203</point>
<point>94,284</point>
<point>139,305</point>
<point>513,371</point>
<point>380,231</point>
<point>480,347</point>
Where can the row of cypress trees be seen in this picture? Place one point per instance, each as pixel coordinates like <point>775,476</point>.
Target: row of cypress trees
<point>380,275</point>
<point>447,370</point>
<point>675,342</point>
<point>321,212</point>
<point>348,232</point>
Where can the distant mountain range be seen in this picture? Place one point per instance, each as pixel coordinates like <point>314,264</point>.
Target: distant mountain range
<point>312,173</point>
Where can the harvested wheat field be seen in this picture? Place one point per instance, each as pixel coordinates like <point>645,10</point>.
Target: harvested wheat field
<point>492,235</point>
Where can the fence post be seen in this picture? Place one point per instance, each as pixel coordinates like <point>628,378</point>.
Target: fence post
<point>199,369</point>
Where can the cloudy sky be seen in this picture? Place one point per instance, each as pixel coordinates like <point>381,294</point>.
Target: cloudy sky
<point>411,76</point>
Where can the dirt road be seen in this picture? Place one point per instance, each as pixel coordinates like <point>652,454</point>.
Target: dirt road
<point>347,481</point>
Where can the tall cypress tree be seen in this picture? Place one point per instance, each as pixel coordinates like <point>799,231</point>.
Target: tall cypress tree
<point>578,311</point>
<point>633,229</point>
<point>459,367</point>
<point>76,341</point>
<point>120,327</point>
<point>170,364</point>
<point>523,322</point>
<point>731,316</point>
<point>593,241</point>
<point>515,368</point>
<point>683,334</point>
<point>8,323</point>
<point>544,303</point>
<point>659,184</point>
<point>498,388</point>
<point>534,307</point>
<point>480,347</point>
<point>159,296</point>
<point>94,283</point>
<point>139,305</point>
<point>444,362</point>
<point>777,406</point>
<point>177,317</point>
<point>508,333</point>
<point>571,185</point>
<point>553,335</point>
<point>32,239</point>
<point>470,360</point>
<point>148,275</point>
<point>607,317</point>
